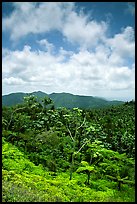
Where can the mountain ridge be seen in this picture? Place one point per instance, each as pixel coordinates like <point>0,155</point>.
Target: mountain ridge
<point>62,99</point>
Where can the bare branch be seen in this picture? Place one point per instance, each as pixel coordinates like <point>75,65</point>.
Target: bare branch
<point>70,134</point>
<point>81,147</point>
<point>82,123</point>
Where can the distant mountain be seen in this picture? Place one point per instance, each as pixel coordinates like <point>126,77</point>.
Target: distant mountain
<point>62,100</point>
<point>12,99</point>
<point>70,101</point>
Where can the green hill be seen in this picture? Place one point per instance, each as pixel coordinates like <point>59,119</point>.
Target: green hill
<point>12,99</point>
<point>16,98</point>
<point>62,100</point>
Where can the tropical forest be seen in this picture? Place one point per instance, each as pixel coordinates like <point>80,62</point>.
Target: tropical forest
<point>63,154</point>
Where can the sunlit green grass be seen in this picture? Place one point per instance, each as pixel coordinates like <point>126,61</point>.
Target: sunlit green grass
<point>22,181</point>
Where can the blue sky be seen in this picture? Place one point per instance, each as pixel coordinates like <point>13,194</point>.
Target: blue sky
<point>84,48</point>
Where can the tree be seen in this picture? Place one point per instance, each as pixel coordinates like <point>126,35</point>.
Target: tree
<point>75,119</point>
<point>86,168</point>
<point>47,104</point>
<point>114,165</point>
<point>120,180</point>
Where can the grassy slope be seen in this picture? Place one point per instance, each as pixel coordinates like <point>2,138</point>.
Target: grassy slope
<point>25,182</point>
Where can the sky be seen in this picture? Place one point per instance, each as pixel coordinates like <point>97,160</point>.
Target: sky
<point>83,48</point>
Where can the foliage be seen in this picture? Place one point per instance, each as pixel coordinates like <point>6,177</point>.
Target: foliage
<point>43,146</point>
<point>86,168</point>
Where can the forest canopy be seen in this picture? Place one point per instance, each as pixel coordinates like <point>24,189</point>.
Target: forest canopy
<point>65,154</point>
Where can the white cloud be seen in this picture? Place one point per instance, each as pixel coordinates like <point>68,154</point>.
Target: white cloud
<point>78,29</point>
<point>121,78</point>
<point>123,43</point>
<point>30,18</point>
<point>83,73</point>
<point>48,46</point>
<point>13,81</point>
<point>103,66</point>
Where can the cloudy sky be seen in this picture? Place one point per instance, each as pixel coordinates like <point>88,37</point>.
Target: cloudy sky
<point>85,48</point>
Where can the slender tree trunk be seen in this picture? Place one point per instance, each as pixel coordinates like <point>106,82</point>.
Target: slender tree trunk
<point>74,146</point>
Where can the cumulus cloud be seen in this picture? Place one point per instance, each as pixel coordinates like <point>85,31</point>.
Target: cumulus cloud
<point>48,46</point>
<point>46,17</point>
<point>85,72</point>
<point>33,18</point>
<point>28,19</point>
<point>78,29</point>
<point>123,43</point>
<point>102,66</point>
<point>13,81</point>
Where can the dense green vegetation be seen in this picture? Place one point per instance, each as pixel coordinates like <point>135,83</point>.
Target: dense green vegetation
<point>63,155</point>
<point>61,100</point>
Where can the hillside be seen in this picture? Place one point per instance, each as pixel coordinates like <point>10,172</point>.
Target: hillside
<point>16,98</point>
<point>25,182</point>
<point>62,100</point>
<point>63,155</point>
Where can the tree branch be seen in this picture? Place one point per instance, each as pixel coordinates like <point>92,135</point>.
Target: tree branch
<point>70,134</point>
<point>81,147</point>
<point>82,123</point>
